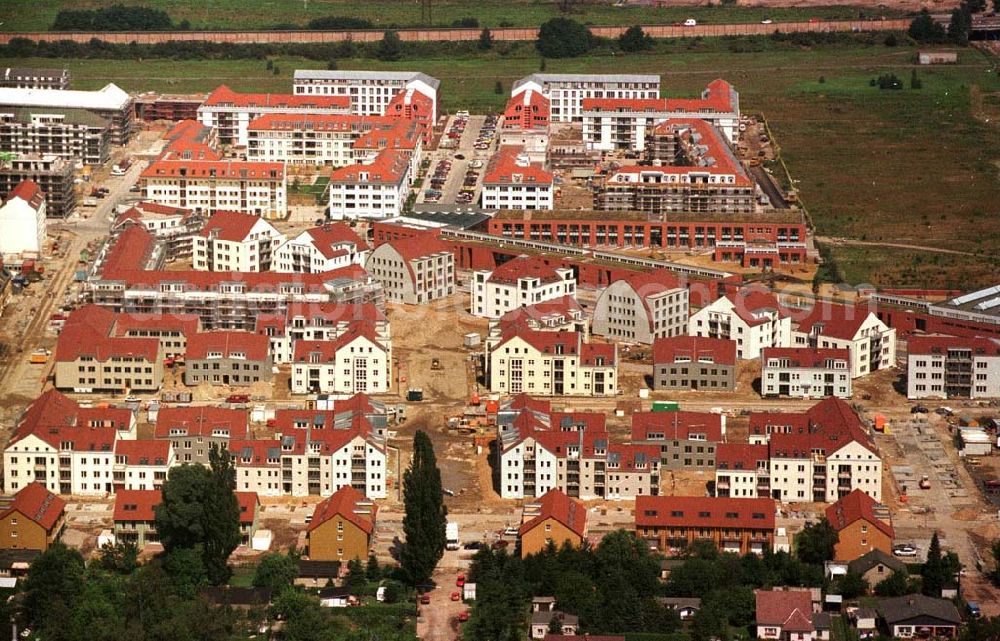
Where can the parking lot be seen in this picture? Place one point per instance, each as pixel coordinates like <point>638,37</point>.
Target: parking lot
<point>457,166</point>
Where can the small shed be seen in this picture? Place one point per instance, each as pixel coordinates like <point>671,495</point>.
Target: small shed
<point>335,597</point>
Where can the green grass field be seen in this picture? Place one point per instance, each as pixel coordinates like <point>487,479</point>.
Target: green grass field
<point>38,15</point>
<point>912,166</point>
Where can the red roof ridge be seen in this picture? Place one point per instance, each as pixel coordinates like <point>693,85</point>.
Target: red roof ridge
<point>557,505</point>
<point>345,502</point>
<point>36,503</point>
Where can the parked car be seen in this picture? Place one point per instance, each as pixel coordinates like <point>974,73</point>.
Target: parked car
<point>460,581</point>
<point>767,21</point>
<point>690,22</point>
<point>904,550</point>
<point>463,616</point>
<point>919,409</point>
<point>456,596</point>
<point>425,599</point>
<point>473,545</point>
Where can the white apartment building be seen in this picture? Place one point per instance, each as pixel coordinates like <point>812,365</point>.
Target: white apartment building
<point>871,342</point>
<point>320,249</point>
<point>22,218</point>
<point>618,122</point>
<point>753,318</point>
<point>512,181</point>
<point>235,242</point>
<point>354,362</point>
<point>142,464</point>
<point>566,92</point>
<point>66,448</point>
<point>741,470</point>
<point>231,112</point>
<point>952,367</point>
<point>258,466</point>
<point>413,270</point>
<point>552,364</point>
<point>518,283</point>
<point>320,322</point>
<point>72,134</point>
<point>641,308</point>
<point>306,138</point>
<point>804,372</point>
<point>110,102</point>
<point>258,188</point>
<point>370,92</point>
<point>375,190</point>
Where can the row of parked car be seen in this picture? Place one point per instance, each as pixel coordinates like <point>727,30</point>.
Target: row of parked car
<point>487,133</point>
<point>451,138</point>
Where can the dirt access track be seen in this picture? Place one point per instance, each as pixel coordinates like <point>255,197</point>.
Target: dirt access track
<point>438,35</point>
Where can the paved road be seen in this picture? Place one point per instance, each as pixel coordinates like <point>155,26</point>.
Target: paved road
<point>435,35</point>
<point>767,184</point>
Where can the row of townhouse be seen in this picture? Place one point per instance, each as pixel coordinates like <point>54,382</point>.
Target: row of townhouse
<point>77,450</point>
<point>126,278</point>
<point>134,516</point>
<point>703,175</point>
<point>518,283</point>
<point>541,450</point>
<point>626,122</point>
<point>820,455</point>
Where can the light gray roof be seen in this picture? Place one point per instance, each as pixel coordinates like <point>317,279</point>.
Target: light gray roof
<point>110,97</point>
<point>542,78</point>
<point>324,74</point>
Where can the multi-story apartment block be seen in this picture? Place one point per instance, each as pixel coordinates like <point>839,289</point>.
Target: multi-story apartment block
<point>321,249</point>
<point>377,189</point>
<point>142,464</point>
<point>235,242</point>
<point>694,363</point>
<point>685,440</point>
<point>752,317</point>
<point>642,307</point>
<point>704,177</point>
<point>191,140</point>
<point>557,315</point>
<point>353,362</point>
<point>626,122</point>
<point>551,364</point>
<point>91,356</point>
<point>322,452</point>
<point>258,465</point>
<point>670,524</point>
<point>320,322</point>
<point>741,470</point>
<point>231,112</point>
<point>859,529</point>
<point>315,139</point>
<point>34,78</point>
<point>633,469</point>
<point>226,185</point>
<point>22,218</point>
<point>370,92</point>
<point>151,106</point>
<point>872,343</point>
<point>513,181</point>
<point>192,431</point>
<point>53,175</point>
<point>71,134</point>
<point>110,103</point>
<point>232,358</point>
<point>175,226</point>
<point>67,448</point>
<point>171,330</point>
<point>805,372</point>
<point>526,111</point>
<point>952,367</point>
<point>567,93</point>
<point>819,456</point>
<point>413,270</point>
<point>517,283</point>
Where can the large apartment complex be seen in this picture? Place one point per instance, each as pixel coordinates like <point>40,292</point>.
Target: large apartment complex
<point>518,283</point>
<point>110,103</point>
<point>370,92</point>
<point>952,367</point>
<point>642,307</point>
<point>258,188</point>
<point>567,92</point>
<point>71,134</point>
<point>551,364</point>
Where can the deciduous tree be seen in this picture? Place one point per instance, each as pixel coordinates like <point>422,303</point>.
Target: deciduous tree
<point>815,543</point>
<point>563,38</point>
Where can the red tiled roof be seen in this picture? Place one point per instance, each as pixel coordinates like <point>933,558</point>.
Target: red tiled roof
<point>223,96</point>
<point>624,104</point>
<point>345,502</point>
<point>396,133</point>
<point>390,166</point>
<point>545,342</point>
<point>504,169</point>
<point>143,452</point>
<point>717,97</point>
<point>28,191</point>
<point>255,452</point>
<point>254,346</point>
<point>856,506</point>
<point>558,506</point>
<point>939,345</point>
<point>136,506</point>
<point>248,502</point>
<point>128,252</point>
<point>232,226</point>
<point>564,307</point>
<point>87,332</point>
<point>55,418</point>
<point>143,210</point>
<point>328,238</point>
<point>314,122</point>
<point>694,349</point>
<point>418,247</point>
<point>704,511</point>
<point>327,314</point>
<point>804,356</point>
<point>527,110</point>
<point>524,267</point>
<point>327,350</point>
<point>36,503</point>
<point>739,456</point>
<point>835,321</point>
<point>751,301</point>
<point>677,425</point>
<point>790,610</point>
<point>590,352</point>
<point>195,170</point>
<point>825,427</point>
<point>186,324</point>
<point>320,429</point>
<point>633,457</point>
<point>201,421</point>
